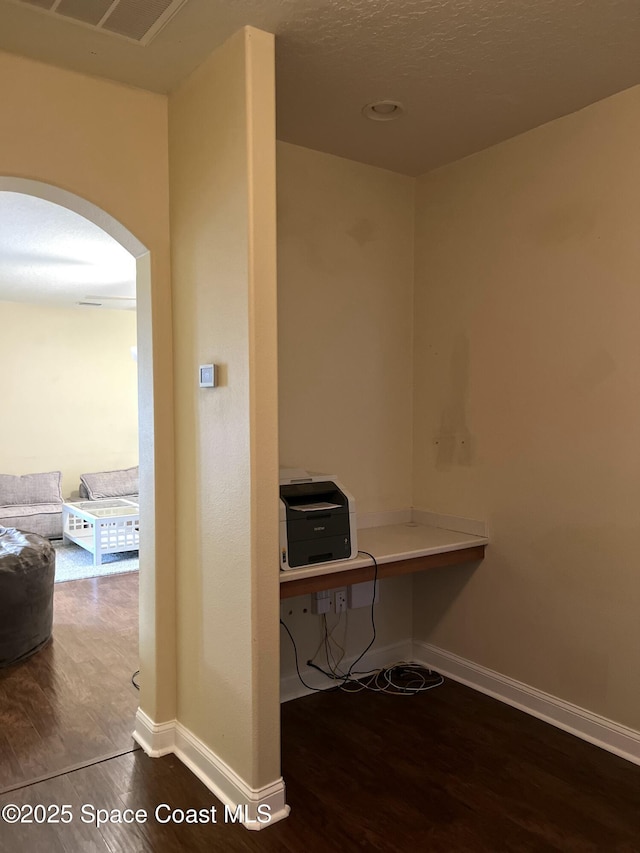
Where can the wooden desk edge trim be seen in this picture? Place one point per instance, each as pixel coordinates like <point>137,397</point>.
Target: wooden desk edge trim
<point>302,586</point>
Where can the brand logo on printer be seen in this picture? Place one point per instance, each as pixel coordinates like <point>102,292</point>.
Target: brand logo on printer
<point>316,529</point>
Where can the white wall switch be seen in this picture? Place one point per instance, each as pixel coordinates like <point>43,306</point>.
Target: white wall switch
<point>208,376</point>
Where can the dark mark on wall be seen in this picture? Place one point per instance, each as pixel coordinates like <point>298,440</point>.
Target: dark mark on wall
<point>454,442</point>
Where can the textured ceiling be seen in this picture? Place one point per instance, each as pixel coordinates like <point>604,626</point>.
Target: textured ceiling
<point>50,255</point>
<point>470,72</point>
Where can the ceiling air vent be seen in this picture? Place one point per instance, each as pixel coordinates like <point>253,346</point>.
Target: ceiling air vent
<point>138,20</point>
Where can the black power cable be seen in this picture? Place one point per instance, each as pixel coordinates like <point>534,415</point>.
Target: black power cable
<point>399,679</point>
<point>373,620</point>
<point>295,652</point>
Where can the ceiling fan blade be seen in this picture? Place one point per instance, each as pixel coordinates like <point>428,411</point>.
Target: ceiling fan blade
<point>117,298</point>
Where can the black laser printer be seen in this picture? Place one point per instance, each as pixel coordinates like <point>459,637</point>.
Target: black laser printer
<point>317,520</point>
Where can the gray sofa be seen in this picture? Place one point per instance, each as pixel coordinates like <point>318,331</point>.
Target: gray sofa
<point>32,503</point>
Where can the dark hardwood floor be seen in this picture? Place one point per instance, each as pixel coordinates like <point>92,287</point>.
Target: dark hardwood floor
<point>450,770</point>
<point>73,701</point>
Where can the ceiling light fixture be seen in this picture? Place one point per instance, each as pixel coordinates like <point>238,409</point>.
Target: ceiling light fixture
<point>383,110</point>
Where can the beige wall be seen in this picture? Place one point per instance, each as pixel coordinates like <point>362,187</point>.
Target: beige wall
<point>345,284</point>
<point>527,409</point>
<point>345,298</point>
<point>222,156</point>
<point>69,391</point>
<point>107,144</point>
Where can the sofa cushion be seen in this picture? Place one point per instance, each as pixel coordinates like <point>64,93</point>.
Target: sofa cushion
<point>44,519</point>
<point>111,484</point>
<point>30,489</point>
<point>20,511</point>
<point>83,494</point>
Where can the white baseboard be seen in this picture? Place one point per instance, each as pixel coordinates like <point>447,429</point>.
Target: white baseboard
<point>225,783</point>
<point>600,731</point>
<point>156,739</point>
<point>292,688</point>
<point>255,808</point>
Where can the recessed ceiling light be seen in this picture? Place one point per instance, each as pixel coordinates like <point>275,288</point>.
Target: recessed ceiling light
<point>383,110</point>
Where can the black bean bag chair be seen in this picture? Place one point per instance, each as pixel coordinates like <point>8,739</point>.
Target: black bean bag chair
<point>27,571</point>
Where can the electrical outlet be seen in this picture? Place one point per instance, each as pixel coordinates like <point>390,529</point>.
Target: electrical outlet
<point>340,600</point>
<point>292,607</point>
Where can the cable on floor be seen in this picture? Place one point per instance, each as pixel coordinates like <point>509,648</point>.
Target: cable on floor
<point>402,678</point>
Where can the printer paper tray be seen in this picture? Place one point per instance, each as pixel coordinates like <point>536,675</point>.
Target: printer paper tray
<point>315,507</point>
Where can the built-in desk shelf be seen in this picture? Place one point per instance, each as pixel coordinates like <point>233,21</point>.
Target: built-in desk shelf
<point>399,549</point>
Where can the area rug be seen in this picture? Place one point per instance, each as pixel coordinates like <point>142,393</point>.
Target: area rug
<point>74,563</point>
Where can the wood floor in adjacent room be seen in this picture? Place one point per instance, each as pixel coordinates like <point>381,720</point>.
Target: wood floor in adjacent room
<point>450,770</point>
<point>73,701</point>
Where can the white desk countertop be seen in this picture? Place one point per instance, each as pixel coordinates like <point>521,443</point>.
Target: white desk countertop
<point>392,543</point>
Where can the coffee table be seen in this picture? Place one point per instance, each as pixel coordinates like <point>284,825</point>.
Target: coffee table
<point>103,526</point>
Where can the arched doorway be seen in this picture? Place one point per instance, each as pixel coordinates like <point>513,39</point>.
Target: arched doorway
<point>141,254</point>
